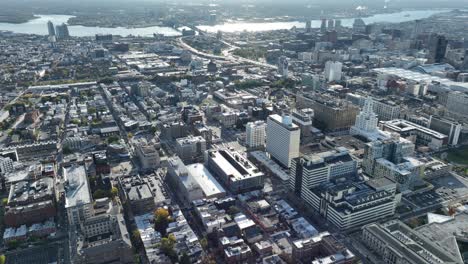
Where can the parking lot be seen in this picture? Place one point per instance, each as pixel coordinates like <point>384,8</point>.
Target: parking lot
<point>447,189</point>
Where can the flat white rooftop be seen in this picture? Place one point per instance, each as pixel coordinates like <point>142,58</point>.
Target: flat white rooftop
<point>210,186</point>
<point>77,190</point>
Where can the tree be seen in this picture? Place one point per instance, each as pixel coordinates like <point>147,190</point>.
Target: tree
<point>114,192</point>
<point>112,139</point>
<point>4,201</point>
<point>91,110</point>
<point>136,240</point>
<point>204,242</point>
<point>2,259</point>
<point>67,150</point>
<point>12,244</point>
<point>161,220</point>
<point>167,245</point>
<point>99,193</point>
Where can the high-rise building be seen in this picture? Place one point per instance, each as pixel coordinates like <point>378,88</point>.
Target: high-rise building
<point>323,26</point>
<point>366,120</point>
<point>283,139</point>
<point>331,24</point>
<point>283,65</point>
<point>457,105</point>
<point>50,28</point>
<point>303,118</point>
<point>417,29</point>
<point>333,70</point>
<point>447,127</point>
<point>437,48</point>
<point>255,134</point>
<point>311,171</point>
<point>392,159</point>
<point>359,26</point>
<point>337,24</point>
<point>61,31</point>
<point>308,26</point>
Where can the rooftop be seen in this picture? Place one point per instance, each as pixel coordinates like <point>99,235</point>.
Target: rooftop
<point>77,190</point>
<point>205,179</point>
<point>234,165</point>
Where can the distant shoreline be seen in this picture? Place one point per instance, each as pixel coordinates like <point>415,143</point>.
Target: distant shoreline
<point>75,20</point>
<point>17,19</point>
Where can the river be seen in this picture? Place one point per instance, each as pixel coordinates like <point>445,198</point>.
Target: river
<point>38,26</point>
<point>348,22</point>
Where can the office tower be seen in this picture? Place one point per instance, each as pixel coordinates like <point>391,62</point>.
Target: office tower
<point>437,48</point>
<point>331,24</point>
<point>323,26</point>
<point>283,66</point>
<point>51,29</point>
<point>330,114</point>
<point>303,119</point>
<point>447,127</point>
<point>417,29</point>
<point>308,26</point>
<point>359,26</point>
<point>337,24</point>
<point>255,134</point>
<point>392,159</point>
<point>457,105</point>
<point>283,139</point>
<point>366,120</point>
<point>333,71</point>
<point>311,171</point>
<point>61,31</point>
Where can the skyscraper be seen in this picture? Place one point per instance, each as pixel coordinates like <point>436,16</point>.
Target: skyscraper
<point>359,26</point>
<point>255,134</point>
<point>308,26</point>
<point>323,26</point>
<point>283,138</point>
<point>366,120</point>
<point>337,24</point>
<point>331,24</point>
<point>51,29</point>
<point>437,47</point>
<point>283,65</point>
<point>62,31</point>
